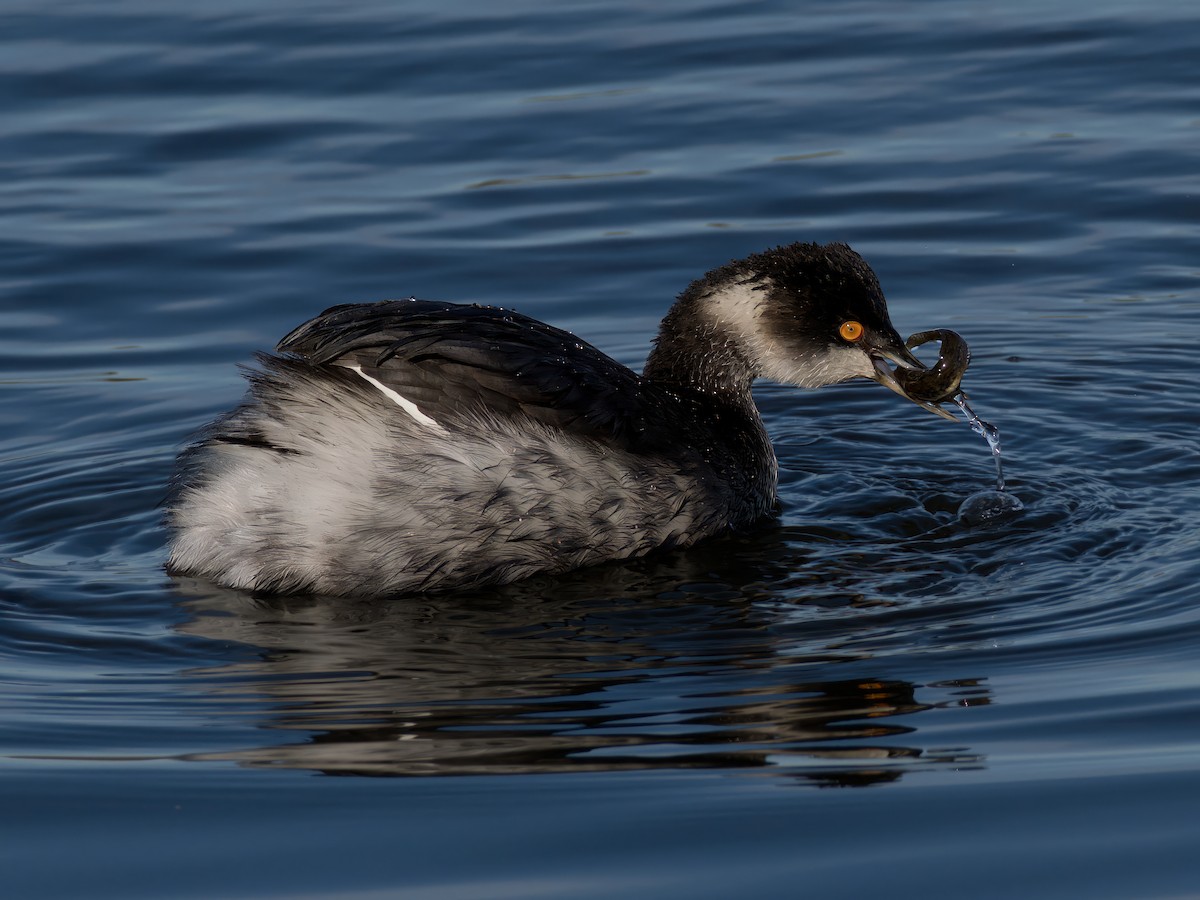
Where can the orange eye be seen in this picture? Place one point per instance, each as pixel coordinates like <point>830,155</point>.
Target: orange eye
<point>851,331</point>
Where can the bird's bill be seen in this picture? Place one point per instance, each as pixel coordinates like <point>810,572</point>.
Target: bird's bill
<point>901,355</point>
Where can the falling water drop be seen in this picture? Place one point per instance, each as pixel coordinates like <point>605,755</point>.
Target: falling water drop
<point>989,432</point>
<point>986,507</point>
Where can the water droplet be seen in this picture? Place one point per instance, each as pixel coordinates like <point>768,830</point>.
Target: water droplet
<point>989,432</point>
<point>987,507</point>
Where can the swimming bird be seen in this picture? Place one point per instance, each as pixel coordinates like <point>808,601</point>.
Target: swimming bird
<point>413,445</point>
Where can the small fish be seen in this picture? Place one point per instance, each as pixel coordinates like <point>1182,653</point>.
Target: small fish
<point>942,380</point>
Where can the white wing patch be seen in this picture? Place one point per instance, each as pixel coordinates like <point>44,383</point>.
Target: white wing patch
<point>407,405</point>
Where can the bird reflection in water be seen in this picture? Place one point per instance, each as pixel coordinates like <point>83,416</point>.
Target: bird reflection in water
<point>616,669</point>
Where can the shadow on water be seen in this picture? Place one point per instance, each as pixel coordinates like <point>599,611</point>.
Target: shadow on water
<point>681,661</point>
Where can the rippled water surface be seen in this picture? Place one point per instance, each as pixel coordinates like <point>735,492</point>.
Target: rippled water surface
<point>864,696</point>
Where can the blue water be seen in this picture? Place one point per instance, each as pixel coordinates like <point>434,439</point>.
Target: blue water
<point>862,698</point>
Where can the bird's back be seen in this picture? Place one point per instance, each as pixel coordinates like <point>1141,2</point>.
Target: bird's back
<point>414,445</point>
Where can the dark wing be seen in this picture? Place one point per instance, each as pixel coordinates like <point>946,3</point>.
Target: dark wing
<point>448,358</point>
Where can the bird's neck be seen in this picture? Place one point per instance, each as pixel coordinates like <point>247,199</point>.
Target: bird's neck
<point>692,352</point>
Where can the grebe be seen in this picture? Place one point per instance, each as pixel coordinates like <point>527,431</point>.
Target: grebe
<point>413,445</point>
